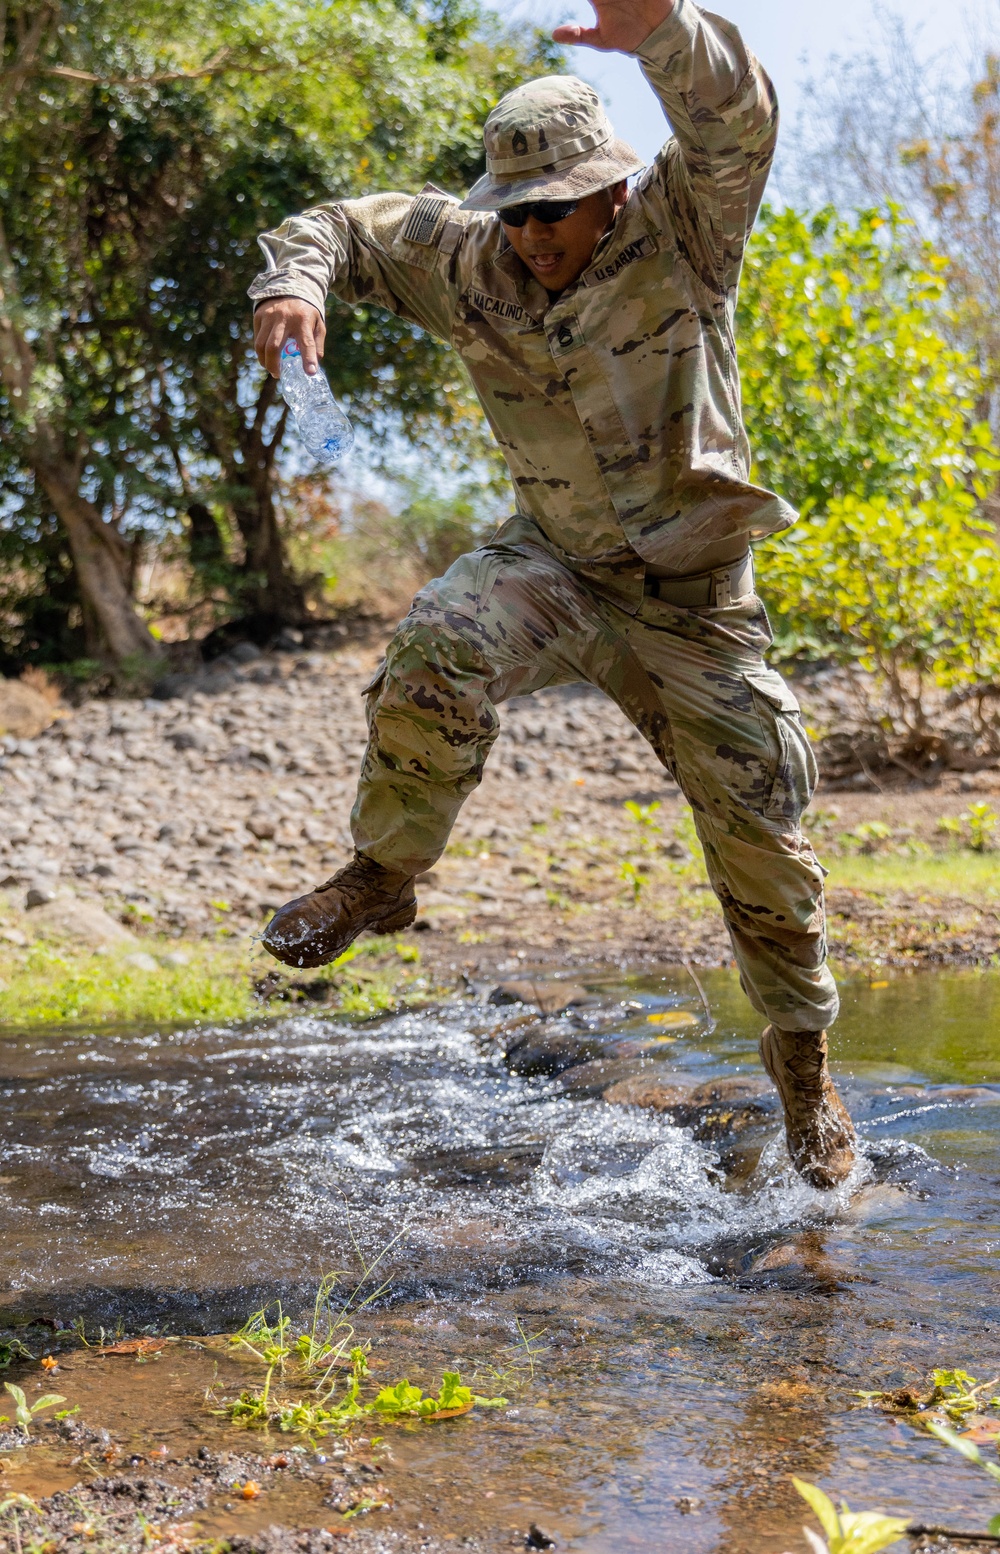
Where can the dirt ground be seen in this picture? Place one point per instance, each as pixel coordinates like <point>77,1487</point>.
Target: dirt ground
<point>228,791</point>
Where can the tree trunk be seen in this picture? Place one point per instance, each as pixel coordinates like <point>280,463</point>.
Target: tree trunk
<point>101,562</point>
<point>273,588</point>
<point>100,556</point>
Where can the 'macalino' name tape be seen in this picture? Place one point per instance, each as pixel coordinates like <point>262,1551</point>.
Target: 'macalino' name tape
<point>497,307</point>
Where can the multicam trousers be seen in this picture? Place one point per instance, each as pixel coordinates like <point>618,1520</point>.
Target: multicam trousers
<point>509,619</point>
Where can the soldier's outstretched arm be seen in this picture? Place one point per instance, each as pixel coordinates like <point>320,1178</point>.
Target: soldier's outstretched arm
<point>392,249</point>
<point>709,179</point>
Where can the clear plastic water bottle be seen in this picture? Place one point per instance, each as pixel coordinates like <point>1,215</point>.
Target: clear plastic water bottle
<point>319,420</point>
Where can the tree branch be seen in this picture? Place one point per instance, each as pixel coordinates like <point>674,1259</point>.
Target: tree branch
<point>918,1530</point>
<point>219,64</point>
<point>16,74</point>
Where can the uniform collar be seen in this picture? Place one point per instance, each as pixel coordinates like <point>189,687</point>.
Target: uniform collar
<point>530,292</point>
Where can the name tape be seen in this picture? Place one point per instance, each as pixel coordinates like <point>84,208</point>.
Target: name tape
<point>496,307</point>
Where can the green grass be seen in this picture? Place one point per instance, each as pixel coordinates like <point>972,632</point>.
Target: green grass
<point>953,873</point>
<point>53,984</point>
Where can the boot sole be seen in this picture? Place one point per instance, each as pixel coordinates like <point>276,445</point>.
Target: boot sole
<point>402,919</point>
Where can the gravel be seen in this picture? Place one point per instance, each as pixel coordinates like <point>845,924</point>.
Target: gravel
<point>231,790</point>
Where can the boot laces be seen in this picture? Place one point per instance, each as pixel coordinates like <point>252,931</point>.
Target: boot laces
<point>808,1069</point>
<point>364,877</point>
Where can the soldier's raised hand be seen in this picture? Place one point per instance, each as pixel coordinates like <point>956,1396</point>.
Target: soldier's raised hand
<point>288,318</point>
<point>622,25</point>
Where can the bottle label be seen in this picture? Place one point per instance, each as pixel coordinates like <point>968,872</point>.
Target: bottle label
<point>290,349</point>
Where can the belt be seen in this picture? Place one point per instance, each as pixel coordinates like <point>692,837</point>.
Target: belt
<point>722,587</point>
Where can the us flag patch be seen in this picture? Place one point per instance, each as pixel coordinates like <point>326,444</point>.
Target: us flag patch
<point>424,220</point>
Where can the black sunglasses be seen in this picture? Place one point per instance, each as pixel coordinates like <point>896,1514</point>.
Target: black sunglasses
<point>545,211</point>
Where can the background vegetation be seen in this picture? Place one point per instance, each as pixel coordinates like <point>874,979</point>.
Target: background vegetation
<point>149,491</point>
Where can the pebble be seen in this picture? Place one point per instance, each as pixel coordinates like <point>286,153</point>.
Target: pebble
<point>142,962</point>
<point>237,782</point>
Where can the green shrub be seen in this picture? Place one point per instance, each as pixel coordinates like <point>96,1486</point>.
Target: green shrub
<point>911,593</point>
<point>864,414</point>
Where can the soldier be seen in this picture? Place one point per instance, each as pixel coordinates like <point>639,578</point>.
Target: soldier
<point>597,325</point>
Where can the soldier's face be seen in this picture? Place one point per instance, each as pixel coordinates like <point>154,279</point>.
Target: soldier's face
<point>558,252</point>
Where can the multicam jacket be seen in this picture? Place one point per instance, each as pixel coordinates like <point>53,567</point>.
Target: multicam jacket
<point>616,405</point>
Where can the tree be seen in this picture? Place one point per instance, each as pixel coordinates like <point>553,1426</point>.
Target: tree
<point>891,128</point>
<point>67,250</point>
<point>167,136</point>
<point>375,119</point>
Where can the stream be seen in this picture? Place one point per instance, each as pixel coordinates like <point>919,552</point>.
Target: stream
<point>679,1323</point>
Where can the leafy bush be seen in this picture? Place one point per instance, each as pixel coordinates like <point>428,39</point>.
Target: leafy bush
<point>909,593</point>
<point>864,413</point>
<point>852,384</point>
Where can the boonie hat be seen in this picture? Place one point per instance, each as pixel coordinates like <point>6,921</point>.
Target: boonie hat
<point>549,139</point>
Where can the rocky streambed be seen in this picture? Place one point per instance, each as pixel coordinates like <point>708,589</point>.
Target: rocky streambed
<point>570,1189</point>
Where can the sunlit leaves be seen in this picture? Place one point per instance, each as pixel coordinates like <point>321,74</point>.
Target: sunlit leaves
<point>862,412</point>
<point>848,1532</point>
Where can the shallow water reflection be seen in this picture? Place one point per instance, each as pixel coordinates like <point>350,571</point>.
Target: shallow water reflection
<point>705,1318</point>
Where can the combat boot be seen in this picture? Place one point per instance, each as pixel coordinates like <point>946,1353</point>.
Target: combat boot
<point>821,1137</point>
<point>362,896</point>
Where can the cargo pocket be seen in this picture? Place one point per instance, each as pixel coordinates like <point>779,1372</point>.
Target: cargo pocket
<point>791,772</point>
<point>465,588</point>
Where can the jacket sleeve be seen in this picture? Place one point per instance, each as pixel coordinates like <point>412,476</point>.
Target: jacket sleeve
<point>723,111</point>
<point>398,250</point>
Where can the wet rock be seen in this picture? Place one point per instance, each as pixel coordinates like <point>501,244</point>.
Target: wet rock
<point>729,1091</point>
<point>82,1434</point>
<point>537,1539</point>
<point>540,1051</point>
<point>500,1167</point>
<point>716,1112</point>
<point>547,997</point>
<point>24,712</point>
<point>653,1094</point>
<point>602,1074</point>
<point>955,1095</point>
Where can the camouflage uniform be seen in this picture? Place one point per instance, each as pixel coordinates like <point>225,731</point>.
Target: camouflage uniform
<point>617,407</point>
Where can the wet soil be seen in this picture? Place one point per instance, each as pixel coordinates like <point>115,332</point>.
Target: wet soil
<point>615,1243</point>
